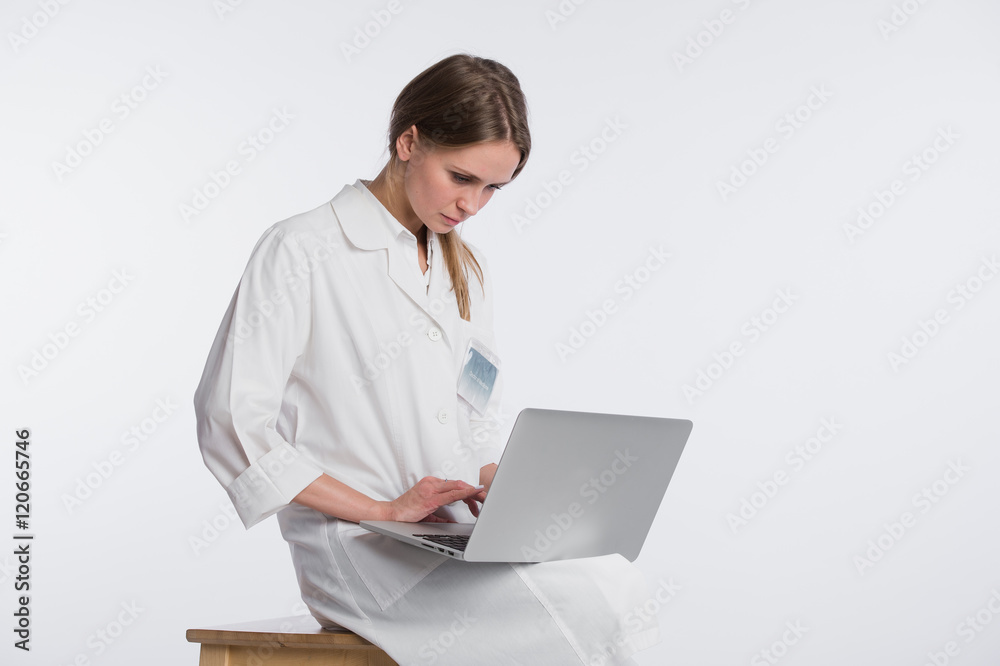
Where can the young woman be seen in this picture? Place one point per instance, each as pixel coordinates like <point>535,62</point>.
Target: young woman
<point>329,397</point>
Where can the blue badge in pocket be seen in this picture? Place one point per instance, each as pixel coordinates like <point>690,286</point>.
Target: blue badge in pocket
<point>475,384</point>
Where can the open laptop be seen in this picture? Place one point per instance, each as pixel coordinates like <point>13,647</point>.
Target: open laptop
<point>569,484</point>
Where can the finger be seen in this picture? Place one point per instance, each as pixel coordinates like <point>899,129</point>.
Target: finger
<point>432,485</point>
<point>454,496</point>
<point>452,486</point>
<point>463,493</point>
<point>473,507</point>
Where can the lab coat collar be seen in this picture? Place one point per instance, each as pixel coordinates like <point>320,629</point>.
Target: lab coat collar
<point>356,212</point>
<point>388,220</point>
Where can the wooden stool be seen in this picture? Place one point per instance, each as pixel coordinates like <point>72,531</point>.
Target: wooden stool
<point>287,641</point>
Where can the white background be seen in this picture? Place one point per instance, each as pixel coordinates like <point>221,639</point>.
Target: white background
<point>684,126</point>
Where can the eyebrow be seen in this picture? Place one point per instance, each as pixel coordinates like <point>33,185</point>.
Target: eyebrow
<point>473,177</point>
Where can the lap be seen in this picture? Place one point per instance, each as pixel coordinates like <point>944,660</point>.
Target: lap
<point>567,612</point>
<point>573,612</point>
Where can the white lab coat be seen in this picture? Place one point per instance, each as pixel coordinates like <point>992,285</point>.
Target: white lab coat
<point>337,356</point>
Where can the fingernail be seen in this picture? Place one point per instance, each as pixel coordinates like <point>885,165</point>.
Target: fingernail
<point>480,487</point>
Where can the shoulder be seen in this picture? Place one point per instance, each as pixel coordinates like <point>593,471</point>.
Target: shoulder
<point>309,232</point>
<point>313,223</point>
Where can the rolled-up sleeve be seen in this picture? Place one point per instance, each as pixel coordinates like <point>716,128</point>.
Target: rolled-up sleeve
<point>241,393</point>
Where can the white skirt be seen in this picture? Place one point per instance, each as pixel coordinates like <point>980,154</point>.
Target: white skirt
<point>424,608</point>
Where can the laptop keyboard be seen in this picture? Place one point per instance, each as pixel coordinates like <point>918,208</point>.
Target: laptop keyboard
<point>453,541</point>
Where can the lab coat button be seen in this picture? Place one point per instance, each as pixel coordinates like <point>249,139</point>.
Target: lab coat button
<point>434,334</point>
<point>444,415</point>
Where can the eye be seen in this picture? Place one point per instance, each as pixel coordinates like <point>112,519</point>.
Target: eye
<point>459,178</point>
<point>495,188</point>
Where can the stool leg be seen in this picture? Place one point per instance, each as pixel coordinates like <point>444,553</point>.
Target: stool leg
<point>361,658</point>
<point>214,655</point>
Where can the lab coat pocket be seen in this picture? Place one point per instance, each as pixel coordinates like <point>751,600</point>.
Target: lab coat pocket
<point>481,432</point>
<point>472,357</point>
<point>388,568</point>
<point>468,331</point>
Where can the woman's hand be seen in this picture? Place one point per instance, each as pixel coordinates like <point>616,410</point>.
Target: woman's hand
<point>419,503</point>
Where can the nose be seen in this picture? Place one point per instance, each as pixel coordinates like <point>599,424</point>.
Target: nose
<point>466,207</point>
<point>471,202</point>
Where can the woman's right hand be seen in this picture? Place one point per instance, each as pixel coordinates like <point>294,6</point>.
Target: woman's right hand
<point>419,503</point>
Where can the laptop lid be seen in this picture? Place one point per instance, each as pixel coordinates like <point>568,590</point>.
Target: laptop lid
<point>577,484</point>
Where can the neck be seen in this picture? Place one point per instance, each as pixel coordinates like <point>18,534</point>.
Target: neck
<point>398,205</point>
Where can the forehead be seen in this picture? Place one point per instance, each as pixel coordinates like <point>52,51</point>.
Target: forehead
<point>490,162</point>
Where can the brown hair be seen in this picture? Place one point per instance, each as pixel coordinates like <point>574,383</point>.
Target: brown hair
<point>459,101</point>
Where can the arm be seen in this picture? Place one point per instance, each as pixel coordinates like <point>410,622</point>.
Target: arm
<point>334,498</point>
<point>240,394</point>
<point>417,504</point>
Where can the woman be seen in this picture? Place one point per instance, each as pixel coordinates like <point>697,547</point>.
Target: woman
<point>329,397</point>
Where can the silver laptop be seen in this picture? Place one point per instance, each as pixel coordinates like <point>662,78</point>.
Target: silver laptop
<point>569,484</point>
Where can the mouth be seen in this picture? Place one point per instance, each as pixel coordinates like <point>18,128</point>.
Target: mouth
<point>450,221</point>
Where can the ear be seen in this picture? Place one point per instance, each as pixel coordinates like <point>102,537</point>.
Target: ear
<point>406,143</point>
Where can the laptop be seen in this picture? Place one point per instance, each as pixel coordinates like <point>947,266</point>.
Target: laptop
<point>568,485</point>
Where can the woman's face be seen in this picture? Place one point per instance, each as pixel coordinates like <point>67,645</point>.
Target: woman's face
<point>446,186</point>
